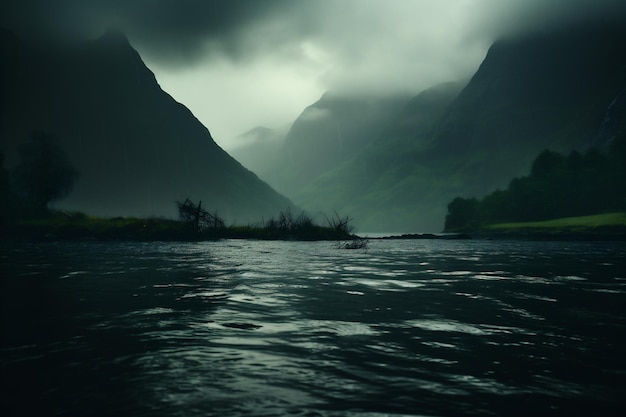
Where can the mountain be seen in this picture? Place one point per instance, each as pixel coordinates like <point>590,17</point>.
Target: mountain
<point>137,150</point>
<point>377,185</point>
<point>328,133</point>
<point>259,148</point>
<point>561,89</point>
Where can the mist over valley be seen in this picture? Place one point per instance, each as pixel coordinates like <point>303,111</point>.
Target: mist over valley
<point>312,208</point>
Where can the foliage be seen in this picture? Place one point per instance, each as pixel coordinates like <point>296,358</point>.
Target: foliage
<point>340,224</point>
<point>354,244</point>
<point>301,227</point>
<point>196,218</point>
<point>568,223</point>
<point>557,186</point>
<point>462,212</point>
<point>75,225</point>
<point>63,225</point>
<point>44,173</point>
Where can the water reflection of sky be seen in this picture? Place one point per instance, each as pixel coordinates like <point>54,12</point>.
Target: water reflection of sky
<point>260,328</point>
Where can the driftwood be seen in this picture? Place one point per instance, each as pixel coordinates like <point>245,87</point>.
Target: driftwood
<point>197,218</point>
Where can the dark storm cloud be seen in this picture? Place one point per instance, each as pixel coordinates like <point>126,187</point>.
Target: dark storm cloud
<point>168,29</point>
<point>268,59</point>
<point>174,31</point>
<point>505,18</point>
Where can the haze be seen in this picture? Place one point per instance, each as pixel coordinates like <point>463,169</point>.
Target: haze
<point>241,64</point>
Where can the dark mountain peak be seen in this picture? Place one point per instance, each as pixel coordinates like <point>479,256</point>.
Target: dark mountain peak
<point>114,37</point>
<point>136,148</point>
<point>113,46</point>
<point>528,89</point>
<point>113,43</point>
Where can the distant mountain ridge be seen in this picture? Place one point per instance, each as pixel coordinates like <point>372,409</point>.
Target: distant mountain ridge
<point>559,90</point>
<point>328,133</point>
<point>136,148</point>
<point>259,149</point>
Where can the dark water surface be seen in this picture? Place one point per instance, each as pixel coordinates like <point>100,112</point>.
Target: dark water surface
<point>436,328</point>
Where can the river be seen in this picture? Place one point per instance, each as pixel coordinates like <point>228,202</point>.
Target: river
<point>258,328</point>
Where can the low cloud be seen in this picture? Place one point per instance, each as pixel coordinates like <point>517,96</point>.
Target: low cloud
<point>237,63</point>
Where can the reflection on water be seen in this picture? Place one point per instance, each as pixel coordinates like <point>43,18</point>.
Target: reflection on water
<point>301,328</point>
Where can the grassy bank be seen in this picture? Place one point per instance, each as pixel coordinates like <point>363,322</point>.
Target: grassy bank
<point>606,225</point>
<point>76,226</point>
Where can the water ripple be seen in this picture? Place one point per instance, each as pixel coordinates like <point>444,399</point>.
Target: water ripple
<point>300,328</point>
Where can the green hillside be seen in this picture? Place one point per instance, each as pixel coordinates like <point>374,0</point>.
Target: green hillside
<point>581,223</point>
<point>549,90</point>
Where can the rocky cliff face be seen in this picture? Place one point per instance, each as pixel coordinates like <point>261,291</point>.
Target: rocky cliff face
<point>136,148</point>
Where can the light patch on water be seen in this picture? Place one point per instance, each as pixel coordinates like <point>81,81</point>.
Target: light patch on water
<point>177,285</point>
<point>489,277</point>
<point>342,328</point>
<point>523,313</point>
<point>483,384</point>
<point>570,278</point>
<point>255,274</point>
<point>535,297</point>
<point>394,273</point>
<point>355,293</point>
<point>495,329</point>
<point>441,345</point>
<point>151,311</point>
<point>74,273</point>
<point>239,340</point>
<point>377,284</point>
<point>470,258</point>
<point>534,280</point>
<point>467,295</point>
<point>456,273</point>
<point>404,284</point>
<point>257,299</point>
<point>446,326</point>
<point>608,291</point>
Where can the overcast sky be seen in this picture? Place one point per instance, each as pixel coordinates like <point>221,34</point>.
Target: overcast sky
<point>238,64</point>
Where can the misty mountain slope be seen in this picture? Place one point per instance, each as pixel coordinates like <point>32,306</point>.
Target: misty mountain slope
<point>376,186</point>
<point>562,81</point>
<point>328,133</point>
<point>546,90</point>
<point>259,148</point>
<point>136,148</point>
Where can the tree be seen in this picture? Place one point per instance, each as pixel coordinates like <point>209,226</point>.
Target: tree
<point>5,192</point>
<point>547,163</point>
<point>462,213</point>
<point>44,173</point>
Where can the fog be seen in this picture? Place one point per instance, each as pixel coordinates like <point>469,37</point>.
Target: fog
<point>240,64</point>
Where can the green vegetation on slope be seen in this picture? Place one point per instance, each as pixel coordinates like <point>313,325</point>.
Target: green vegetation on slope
<point>581,223</point>
<point>557,187</point>
<point>553,90</point>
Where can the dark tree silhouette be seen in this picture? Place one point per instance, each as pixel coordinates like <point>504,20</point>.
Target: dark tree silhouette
<point>558,186</point>
<point>5,192</point>
<point>461,212</point>
<point>197,218</point>
<point>44,173</point>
